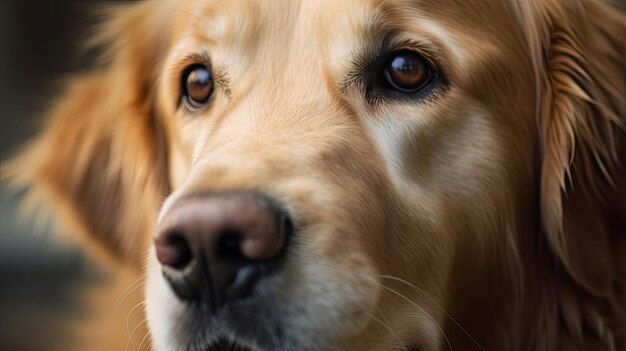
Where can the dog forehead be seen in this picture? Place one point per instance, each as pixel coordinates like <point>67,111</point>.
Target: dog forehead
<point>259,18</point>
<point>299,35</point>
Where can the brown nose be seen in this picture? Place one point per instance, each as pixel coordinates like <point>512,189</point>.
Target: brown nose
<point>216,247</point>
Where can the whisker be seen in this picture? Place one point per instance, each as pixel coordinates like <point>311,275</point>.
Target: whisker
<point>129,341</point>
<point>142,303</point>
<point>421,291</point>
<point>423,310</point>
<point>141,283</point>
<point>123,296</point>
<point>145,338</point>
<point>386,326</point>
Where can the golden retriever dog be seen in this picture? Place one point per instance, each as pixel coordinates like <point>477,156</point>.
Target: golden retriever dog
<point>351,175</point>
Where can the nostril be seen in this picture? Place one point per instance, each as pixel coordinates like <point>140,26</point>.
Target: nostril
<point>229,245</point>
<point>173,250</point>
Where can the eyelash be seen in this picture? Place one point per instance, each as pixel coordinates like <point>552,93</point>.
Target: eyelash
<point>368,74</point>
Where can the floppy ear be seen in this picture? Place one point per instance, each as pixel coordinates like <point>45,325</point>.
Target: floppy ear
<point>582,118</point>
<point>97,163</point>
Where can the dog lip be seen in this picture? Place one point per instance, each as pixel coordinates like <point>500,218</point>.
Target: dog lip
<point>227,345</point>
<point>236,327</point>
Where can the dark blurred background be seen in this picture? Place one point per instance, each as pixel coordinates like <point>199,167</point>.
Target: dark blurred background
<point>39,46</point>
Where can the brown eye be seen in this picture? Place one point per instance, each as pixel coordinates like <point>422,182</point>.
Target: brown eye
<point>197,85</point>
<point>407,71</point>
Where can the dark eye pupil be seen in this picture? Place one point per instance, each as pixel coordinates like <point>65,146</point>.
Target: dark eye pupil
<point>198,85</point>
<point>407,71</point>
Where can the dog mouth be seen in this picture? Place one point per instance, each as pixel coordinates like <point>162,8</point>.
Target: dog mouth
<point>228,345</point>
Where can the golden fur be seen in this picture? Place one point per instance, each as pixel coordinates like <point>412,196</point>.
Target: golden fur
<point>492,216</point>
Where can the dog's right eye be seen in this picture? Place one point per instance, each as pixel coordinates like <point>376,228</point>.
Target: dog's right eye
<point>197,86</point>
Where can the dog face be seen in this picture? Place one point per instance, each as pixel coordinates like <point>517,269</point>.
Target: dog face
<point>336,175</point>
<point>364,158</point>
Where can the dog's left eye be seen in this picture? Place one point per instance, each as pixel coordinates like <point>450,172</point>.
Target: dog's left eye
<point>407,71</point>
<point>197,85</point>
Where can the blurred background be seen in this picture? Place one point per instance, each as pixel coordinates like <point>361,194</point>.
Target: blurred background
<point>39,46</point>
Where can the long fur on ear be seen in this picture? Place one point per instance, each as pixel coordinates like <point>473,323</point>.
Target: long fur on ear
<point>582,121</point>
<point>578,49</point>
<point>96,162</point>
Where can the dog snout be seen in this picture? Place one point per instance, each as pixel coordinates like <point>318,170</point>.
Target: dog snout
<point>215,248</point>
